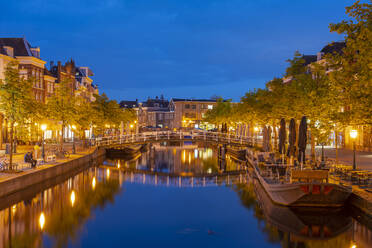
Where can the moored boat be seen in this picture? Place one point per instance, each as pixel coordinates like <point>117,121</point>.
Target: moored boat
<point>299,188</point>
<point>303,223</point>
<point>125,151</point>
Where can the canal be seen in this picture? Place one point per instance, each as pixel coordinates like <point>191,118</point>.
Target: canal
<point>169,197</point>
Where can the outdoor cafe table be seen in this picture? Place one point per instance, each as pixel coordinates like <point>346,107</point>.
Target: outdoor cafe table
<point>360,175</point>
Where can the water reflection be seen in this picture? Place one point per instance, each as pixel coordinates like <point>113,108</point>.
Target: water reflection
<point>58,215</point>
<point>176,160</point>
<point>302,227</point>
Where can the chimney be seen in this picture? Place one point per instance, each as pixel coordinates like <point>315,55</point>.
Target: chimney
<point>35,51</point>
<point>59,70</point>
<point>319,56</point>
<point>9,50</point>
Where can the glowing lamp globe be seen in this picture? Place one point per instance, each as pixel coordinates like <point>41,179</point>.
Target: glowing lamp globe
<point>353,134</point>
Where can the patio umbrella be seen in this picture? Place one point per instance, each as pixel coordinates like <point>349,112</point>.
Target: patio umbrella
<point>264,138</point>
<point>292,138</point>
<point>302,139</point>
<point>282,136</point>
<point>269,138</point>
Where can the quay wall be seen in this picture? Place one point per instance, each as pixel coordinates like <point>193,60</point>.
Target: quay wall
<point>362,201</point>
<point>37,177</point>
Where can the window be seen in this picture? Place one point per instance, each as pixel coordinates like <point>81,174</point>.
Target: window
<point>210,106</point>
<point>187,106</point>
<point>193,106</point>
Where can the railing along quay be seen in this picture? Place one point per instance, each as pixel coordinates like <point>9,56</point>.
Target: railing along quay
<point>138,138</point>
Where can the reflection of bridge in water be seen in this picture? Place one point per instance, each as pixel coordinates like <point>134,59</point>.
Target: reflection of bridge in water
<point>157,178</point>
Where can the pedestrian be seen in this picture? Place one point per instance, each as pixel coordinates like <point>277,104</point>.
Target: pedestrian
<point>29,159</point>
<point>37,150</point>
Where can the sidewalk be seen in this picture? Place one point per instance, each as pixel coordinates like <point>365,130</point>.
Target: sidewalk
<point>345,156</point>
<point>19,158</point>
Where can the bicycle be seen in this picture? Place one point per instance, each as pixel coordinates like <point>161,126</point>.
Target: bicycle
<point>59,153</point>
<point>4,163</point>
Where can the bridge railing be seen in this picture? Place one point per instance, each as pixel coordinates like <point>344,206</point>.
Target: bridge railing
<point>176,136</point>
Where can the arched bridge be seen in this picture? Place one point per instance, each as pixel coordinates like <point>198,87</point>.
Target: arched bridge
<point>180,136</point>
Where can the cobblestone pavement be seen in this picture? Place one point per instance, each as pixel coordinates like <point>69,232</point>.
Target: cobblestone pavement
<point>345,156</point>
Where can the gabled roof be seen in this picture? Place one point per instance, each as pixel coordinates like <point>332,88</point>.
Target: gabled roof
<point>334,47</point>
<point>128,104</point>
<point>20,45</point>
<point>309,59</point>
<point>2,50</point>
<point>192,100</point>
<point>158,102</point>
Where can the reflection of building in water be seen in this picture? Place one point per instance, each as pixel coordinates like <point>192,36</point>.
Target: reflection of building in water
<point>176,160</point>
<point>191,159</point>
<point>58,211</point>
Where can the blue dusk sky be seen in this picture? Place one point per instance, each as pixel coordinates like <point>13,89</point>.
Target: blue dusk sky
<point>178,48</point>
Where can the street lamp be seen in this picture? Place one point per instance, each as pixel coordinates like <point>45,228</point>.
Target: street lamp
<point>73,127</point>
<point>353,135</point>
<point>43,128</point>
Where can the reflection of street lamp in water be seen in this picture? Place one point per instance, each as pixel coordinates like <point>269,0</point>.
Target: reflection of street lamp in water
<point>42,220</point>
<point>353,135</point>
<point>72,198</point>
<point>94,183</point>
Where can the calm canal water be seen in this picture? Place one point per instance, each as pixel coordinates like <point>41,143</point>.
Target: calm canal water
<point>169,197</point>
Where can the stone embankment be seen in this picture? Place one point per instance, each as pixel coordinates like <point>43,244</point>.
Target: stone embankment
<point>33,178</point>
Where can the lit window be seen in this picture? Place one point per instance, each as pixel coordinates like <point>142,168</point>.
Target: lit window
<point>210,106</point>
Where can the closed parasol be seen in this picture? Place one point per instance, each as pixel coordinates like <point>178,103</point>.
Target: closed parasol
<point>302,139</point>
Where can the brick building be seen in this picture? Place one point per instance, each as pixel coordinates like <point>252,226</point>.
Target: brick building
<point>189,113</point>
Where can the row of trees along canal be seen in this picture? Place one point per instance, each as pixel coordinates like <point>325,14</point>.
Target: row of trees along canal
<point>24,114</point>
<point>333,93</point>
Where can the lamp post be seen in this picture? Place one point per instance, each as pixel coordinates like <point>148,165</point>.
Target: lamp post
<point>43,128</point>
<point>353,135</point>
<point>73,127</point>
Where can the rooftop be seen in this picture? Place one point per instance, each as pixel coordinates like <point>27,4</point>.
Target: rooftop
<point>20,46</point>
<point>192,100</point>
<point>334,47</point>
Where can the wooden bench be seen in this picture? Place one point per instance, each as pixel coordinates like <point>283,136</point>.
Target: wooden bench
<point>309,175</point>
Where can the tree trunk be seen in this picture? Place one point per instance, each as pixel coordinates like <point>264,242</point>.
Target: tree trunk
<point>312,141</point>
<point>336,145</point>
<point>11,146</point>
<point>275,137</point>
<point>62,135</point>
<point>1,130</point>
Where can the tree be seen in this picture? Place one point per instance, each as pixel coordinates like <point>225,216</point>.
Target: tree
<point>351,71</point>
<point>221,113</point>
<point>62,106</point>
<point>108,112</point>
<point>16,101</point>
